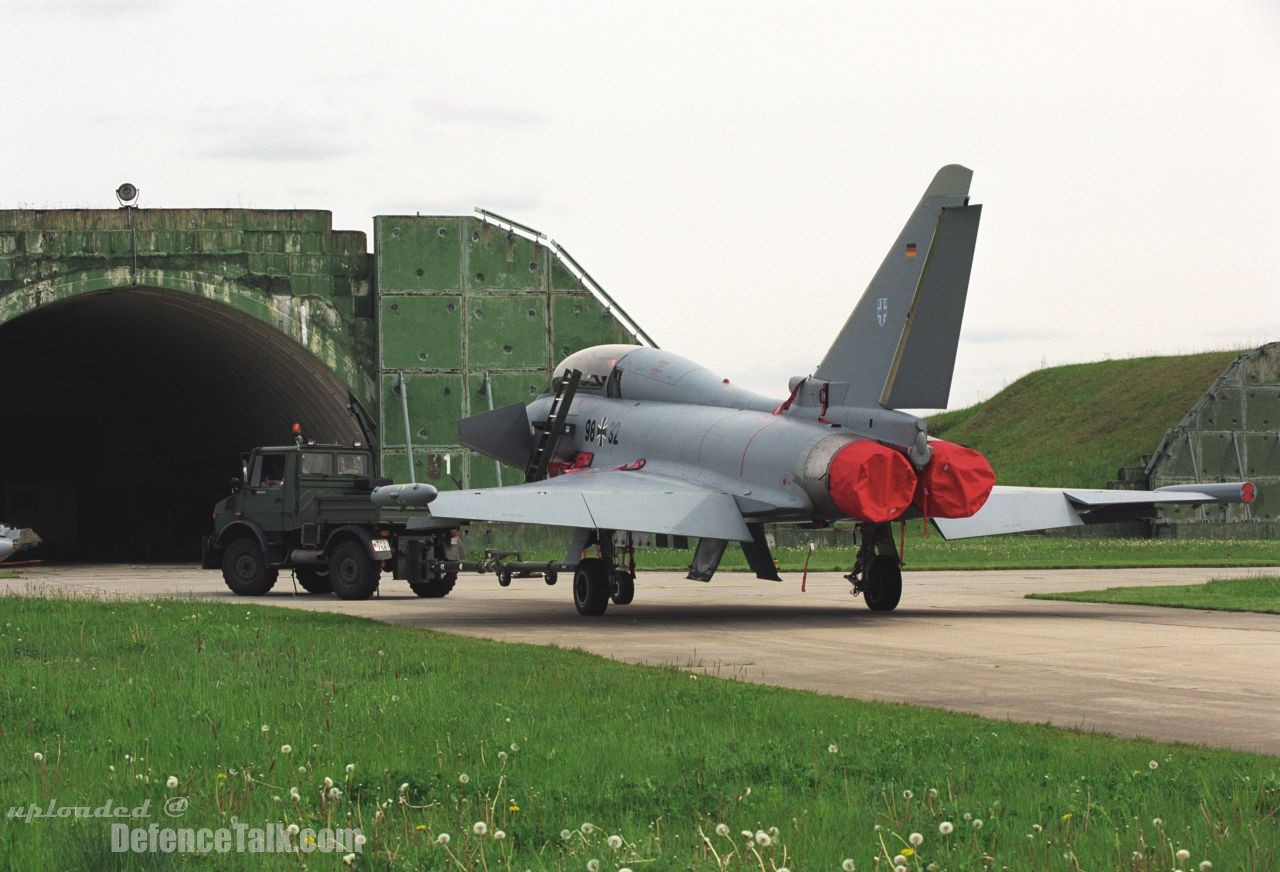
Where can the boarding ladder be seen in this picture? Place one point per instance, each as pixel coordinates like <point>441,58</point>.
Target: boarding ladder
<point>550,430</point>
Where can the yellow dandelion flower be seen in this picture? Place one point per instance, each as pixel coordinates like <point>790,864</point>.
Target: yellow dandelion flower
<point>907,852</point>
<point>222,776</point>
<point>1067,816</point>
<point>513,808</point>
<point>422,828</point>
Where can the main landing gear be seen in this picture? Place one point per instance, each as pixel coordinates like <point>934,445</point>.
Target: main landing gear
<point>877,571</point>
<point>611,577</point>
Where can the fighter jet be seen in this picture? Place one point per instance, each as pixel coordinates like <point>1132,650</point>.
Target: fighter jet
<point>14,541</point>
<point>634,439</point>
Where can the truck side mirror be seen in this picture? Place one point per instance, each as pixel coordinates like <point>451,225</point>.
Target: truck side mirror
<point>235,485</point>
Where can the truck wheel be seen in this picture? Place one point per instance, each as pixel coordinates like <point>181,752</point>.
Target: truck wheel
<point>245,570</point>
<point>313,579</point>
<point>624,588</point>
<point>352,573</point>
<point>436,588</point>
<point>885,584</point>
<point>591,586</point>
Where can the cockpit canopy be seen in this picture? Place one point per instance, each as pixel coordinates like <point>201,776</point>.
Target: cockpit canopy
<point>637,372</point>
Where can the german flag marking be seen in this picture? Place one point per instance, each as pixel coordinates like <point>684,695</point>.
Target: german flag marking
<point>911,249</point>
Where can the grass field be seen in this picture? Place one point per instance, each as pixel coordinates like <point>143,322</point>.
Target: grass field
<point>1259,594</point>
<point>1000,552</point>
<point>1077,425</point>
<point>421,734</point>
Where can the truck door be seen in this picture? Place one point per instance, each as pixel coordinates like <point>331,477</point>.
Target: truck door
<point>264,494</point>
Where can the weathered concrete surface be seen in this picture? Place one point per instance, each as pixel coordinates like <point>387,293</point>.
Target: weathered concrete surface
<point>964,641</point>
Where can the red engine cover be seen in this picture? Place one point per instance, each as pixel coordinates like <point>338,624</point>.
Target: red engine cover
<point>870,482</point>
<point>955,484</point>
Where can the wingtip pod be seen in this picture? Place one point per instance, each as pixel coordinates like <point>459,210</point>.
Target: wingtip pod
<point>871,482</point>
<point>955,484</point>
<point>1221,492</point>
<point>402,496</point>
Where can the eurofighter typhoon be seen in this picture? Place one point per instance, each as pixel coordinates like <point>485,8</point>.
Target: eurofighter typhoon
<point>634,439</point>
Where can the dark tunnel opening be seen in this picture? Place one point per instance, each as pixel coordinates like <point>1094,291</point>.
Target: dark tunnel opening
<point>123,415</point>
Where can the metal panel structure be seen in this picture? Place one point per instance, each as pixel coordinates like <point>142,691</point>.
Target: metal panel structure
<point>1231,433</point>
<point>474,311</point>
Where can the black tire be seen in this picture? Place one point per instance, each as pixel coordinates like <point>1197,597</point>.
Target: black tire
<point>624,588</point>
<point>313,579</point>
<point>504,577</point>
<point>436,588</point>
<point>591,586</point>
<point>551,578</point>
<point>245,570</point>
<point>883,588</point>
<point>352,572</point>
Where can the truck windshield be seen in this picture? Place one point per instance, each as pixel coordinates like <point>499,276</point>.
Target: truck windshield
<point>268,471</point>
<point>353,464</point>
<point>317,464</point>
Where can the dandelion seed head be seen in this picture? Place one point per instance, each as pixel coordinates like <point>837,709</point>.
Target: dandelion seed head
<point>916,839</point>
<point>266,728</point>
<point>763,839</point>
<point>502,755</point>
<point>360,839</point>
<point>1157,823</point>
<point>945,828</point>
<point>442,839</point>
<point>565,835</point>
<point>464,778</point>
<point>848,866</point>
<point>351,767</point>
<point>1153,765</point>
<point>593,865</point>
<point>1205,866</point>
<point>588,828</point>
<point>328,782</point>
<point>968,816</point>
<point>349,859</point>
<point>292,829</point>
<point>615,842</point>
<point>286,749</point>
<point>334,793</point>
<point>404,788</point>
<point>515,747</point>
<point>722,830</point>
<point>933,793</point>
<point>1183,855</point>
<point>479,828</point>
<point>171,782</point>
<point>1036,828</point>
<point>907,794</point>
<point>899,860</point>
<point>833,748</point>
<point>37,756</point>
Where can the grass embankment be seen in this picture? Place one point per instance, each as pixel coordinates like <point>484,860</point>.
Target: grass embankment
<point>999,552</point>
<point>1077,425</point>
<point>424,734</point>
<point>1259,594</point>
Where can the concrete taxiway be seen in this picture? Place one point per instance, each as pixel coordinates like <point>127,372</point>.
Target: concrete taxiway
<point>966,641</point>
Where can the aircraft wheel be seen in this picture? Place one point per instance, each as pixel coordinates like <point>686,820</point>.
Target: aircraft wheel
<point>550,578</point>
<point>245,570</point>
<point>504,577</point>
<point>352,572</point>
<point>314,579</point>
<point>624,588</point>
<point>883,589</point>
<point>591,586</point>
<point>436,588</point>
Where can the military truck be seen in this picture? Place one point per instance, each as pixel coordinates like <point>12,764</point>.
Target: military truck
<point>310,508</point>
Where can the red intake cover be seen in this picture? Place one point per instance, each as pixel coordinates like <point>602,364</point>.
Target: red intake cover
<point>955,484</point>
<point>870,482</point>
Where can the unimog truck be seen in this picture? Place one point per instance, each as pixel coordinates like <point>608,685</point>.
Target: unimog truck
<point>310,508</point>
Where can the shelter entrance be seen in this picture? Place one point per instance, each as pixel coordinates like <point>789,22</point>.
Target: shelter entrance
<point>123,415</point>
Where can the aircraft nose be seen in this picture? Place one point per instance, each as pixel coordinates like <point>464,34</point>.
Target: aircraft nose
<point>871,482</point>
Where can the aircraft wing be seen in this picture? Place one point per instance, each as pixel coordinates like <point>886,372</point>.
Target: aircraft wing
<point>629,500</point>
<point>1026,509</point>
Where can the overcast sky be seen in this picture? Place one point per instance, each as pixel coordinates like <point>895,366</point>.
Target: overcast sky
<point>731,172</point>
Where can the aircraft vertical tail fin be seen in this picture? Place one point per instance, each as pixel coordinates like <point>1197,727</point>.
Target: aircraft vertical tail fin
<point>898,348</point>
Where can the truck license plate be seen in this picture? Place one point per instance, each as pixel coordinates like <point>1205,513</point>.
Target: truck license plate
<point>381,545</point>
